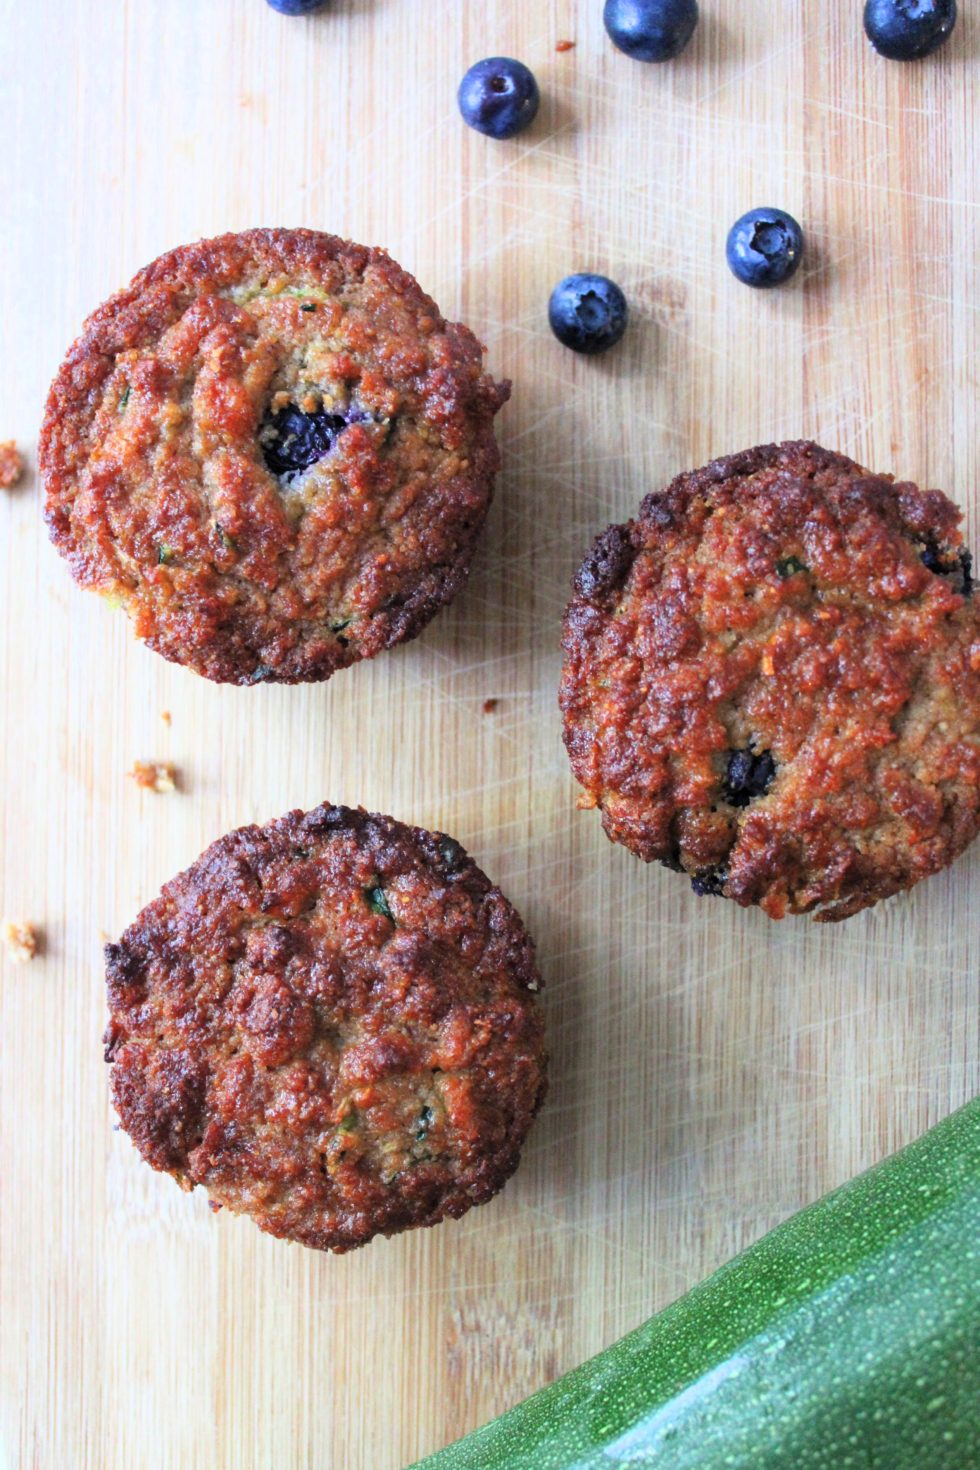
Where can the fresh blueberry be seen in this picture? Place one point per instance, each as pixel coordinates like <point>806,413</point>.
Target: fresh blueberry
<point>764,247</point>
<point>297,7</point>
<point>651,30</point>
<point>292,439</point>
<point>748,776</point>
<point>588,313</point>
<point>905,30</point>
<point>499,97</point>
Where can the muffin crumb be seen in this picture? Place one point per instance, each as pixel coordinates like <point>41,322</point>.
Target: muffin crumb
<point>20,941</point>
<point>11,464</point>
<point>489,705</point>
<point>565,46</point>
<point>166,717</point>
<point>159,776</point>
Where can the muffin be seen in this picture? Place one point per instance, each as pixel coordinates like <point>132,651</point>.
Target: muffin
<point>274,452</point>
<point>772,682</point>
<point>329,1022</point>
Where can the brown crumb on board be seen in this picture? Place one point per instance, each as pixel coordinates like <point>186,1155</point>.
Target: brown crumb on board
<point>20,941</point>
<point>157,776</point>
<point>489,705</point>
<point>11,465</point>
<point>565,46</point>
<point>166,717</point>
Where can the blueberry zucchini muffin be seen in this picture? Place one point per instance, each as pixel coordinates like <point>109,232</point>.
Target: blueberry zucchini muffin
<point>274,452</point>
<point>772,682</point>
<point>329,1022</point>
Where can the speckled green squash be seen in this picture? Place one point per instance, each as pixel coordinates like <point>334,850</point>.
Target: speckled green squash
<point>848,1337</point>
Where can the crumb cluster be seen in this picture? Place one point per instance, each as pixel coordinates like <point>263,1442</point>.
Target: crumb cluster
<point>158,776</point>
<point>11,464</point>
<point>20,941</point>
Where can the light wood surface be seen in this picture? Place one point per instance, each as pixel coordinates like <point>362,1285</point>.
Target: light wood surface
<point>711,1071</point>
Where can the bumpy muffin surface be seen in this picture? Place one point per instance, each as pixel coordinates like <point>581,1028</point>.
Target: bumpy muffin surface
<point>772,682</point>
<point>329,1022</point>
<point>274,452</point>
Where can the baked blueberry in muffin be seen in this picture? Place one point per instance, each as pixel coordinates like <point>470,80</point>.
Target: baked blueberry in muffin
<point>772,682</point>
<point>274,451</point>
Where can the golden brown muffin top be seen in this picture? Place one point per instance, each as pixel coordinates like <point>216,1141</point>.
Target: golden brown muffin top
<point>273,450</point>
<point>772,682</point>
<point>329,1022</point>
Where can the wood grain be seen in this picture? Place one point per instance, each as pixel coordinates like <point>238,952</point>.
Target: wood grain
<point>712,1071</point>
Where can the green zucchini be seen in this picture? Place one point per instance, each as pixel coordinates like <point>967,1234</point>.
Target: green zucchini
<point>847,1337</point>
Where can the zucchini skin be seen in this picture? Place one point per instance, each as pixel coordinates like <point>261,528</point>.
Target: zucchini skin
<point>847,1337</point>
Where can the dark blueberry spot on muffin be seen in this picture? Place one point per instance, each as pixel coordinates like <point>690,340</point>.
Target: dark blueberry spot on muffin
<point>451,853</point>
<point>966,566</point>
<point>607,564</point>
<point>657,509</point>
<point>426,1119</point>
<point>292,439</point>
<point>945,563</point>
<point>308,306</point>
<point>165,555</point>
<point>748,776</point>
<point>124,399</point>
<point>710,883</point>
<point>377,902</point>
<point>789,566</point>
<point>325,819</point>
<point>932,559</point>
<point>260,673</point>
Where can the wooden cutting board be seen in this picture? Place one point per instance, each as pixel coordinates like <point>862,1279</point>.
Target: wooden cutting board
<point>712,1071</point>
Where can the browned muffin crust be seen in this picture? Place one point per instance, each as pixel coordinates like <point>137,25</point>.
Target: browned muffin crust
<point>169,442</point>
<point>329,1022</point>
<point>772,682</point>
